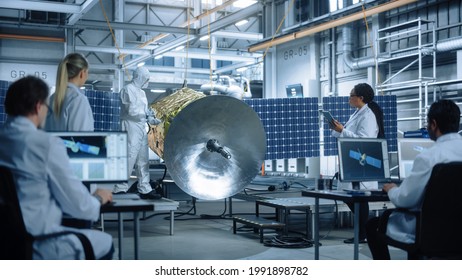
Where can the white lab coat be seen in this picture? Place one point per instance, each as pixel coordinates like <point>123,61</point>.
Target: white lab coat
<point>361,124</point>
<point>409,194</point>
<point>46,188</point>
<point>76,113</point>
<point>133,113</point>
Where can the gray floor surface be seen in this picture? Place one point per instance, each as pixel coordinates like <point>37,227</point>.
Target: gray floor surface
<point>207,234</point>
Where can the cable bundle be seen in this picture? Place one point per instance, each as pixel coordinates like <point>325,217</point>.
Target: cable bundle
<point>288,242</point>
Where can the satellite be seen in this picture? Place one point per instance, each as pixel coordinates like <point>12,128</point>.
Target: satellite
<point>364,159</point>
<point>77,146</point>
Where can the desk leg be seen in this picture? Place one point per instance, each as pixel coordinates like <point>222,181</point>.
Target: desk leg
<point>356,229</point>
<point>230,206</point>
<point>172,220</point>
<point>136,224</point>
<point>120,234</point>
<point>316,229</point>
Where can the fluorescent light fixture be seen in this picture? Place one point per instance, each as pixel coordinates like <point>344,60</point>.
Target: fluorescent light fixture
<point>241,22</point>
<point>179,48</point>
<point>158,90</point>
<point>82,87</point>
<point>158,56</point>
<point>203,38</point>
<point>242,69</point>
<point>217,2</point>
<point>243,3</point>
<point>141,64</point>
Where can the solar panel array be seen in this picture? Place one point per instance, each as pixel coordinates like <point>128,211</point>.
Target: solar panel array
<point>340,109</point>
<point>105,106</point>
<point>3,89</point>
<point>291,126</point>
<point>106,109</point>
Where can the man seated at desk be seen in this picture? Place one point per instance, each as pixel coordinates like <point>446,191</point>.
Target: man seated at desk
<point>45,183</point>
<point>443,124</point>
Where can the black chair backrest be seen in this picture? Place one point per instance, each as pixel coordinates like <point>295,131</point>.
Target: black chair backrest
<point>441,223</point>
<point>15,241</point>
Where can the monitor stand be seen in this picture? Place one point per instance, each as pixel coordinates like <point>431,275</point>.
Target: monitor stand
<point>355,185</point>
<point>87,185</point>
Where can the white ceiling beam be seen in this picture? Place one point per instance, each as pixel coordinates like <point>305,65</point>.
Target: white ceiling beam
<point>102,25</point>
<point>230,19</point>
<point>44,6</point>
<point>84,7</point>
<point>113,50</point>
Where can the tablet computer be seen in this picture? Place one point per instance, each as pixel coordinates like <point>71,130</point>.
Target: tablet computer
<point>327,116</point>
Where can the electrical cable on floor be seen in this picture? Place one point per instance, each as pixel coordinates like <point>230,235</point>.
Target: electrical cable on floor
<point>288,242</point>
<point>221,216</point>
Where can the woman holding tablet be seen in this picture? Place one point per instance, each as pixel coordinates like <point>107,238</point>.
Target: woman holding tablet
<point>365,122</point>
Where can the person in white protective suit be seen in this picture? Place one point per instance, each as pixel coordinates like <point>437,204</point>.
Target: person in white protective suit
<point>134,115</point>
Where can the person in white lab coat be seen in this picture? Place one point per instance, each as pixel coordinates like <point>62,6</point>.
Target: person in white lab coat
<point>134,115</point>
<point>365,122</point>
<point>69,107</point>
<point>443,124</point>
<point>45,183</point>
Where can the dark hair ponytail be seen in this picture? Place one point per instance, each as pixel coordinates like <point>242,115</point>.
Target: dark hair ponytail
<point>366,91</point>
<point>378,116</point>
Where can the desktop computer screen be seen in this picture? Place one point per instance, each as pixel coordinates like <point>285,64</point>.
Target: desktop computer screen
<point>97,157</point>
<point>408,149</point>
<point>363,159</point>
<point>294,90</point>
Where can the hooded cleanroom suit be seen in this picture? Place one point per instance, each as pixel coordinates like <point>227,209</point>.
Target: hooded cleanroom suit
<point>133,115</point>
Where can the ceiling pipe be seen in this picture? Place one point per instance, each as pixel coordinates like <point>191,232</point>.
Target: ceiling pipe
<point>364,62</point>
<point>32,38</point>
<point>331,24</point>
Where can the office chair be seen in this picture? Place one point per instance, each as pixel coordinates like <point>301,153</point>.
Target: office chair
<point>439,223</point>
<point>15,242</point>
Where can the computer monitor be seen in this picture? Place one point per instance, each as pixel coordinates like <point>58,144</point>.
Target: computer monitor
<point>97,157</point>
<point>408,149</point>
<point>363,159</point>
<point>294,90</point>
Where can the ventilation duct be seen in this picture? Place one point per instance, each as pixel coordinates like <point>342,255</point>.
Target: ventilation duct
<point>360,63</point>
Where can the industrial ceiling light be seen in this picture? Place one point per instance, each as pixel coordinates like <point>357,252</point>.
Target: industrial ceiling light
<point>241,22</point>
<point>179,48</point>
<point>141,64</point>
<point>158,56</point>
<point>205,37</point>
<point>158,90</point>
<point>242,69</point>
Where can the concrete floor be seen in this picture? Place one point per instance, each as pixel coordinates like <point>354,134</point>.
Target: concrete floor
<point>207,234</point>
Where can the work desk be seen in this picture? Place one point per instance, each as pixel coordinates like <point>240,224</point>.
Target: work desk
<point>356,199</point>
<point>134,205</point>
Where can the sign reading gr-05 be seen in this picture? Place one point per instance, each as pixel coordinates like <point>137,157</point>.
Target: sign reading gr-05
<point>16,74</point>
<point>294,53</point>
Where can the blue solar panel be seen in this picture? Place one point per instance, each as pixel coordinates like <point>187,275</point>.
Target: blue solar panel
<point>339,107</point>
<point>106,109</point>
<point>3,89</point>
<point>105,106</point>
<point>291,126</point>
